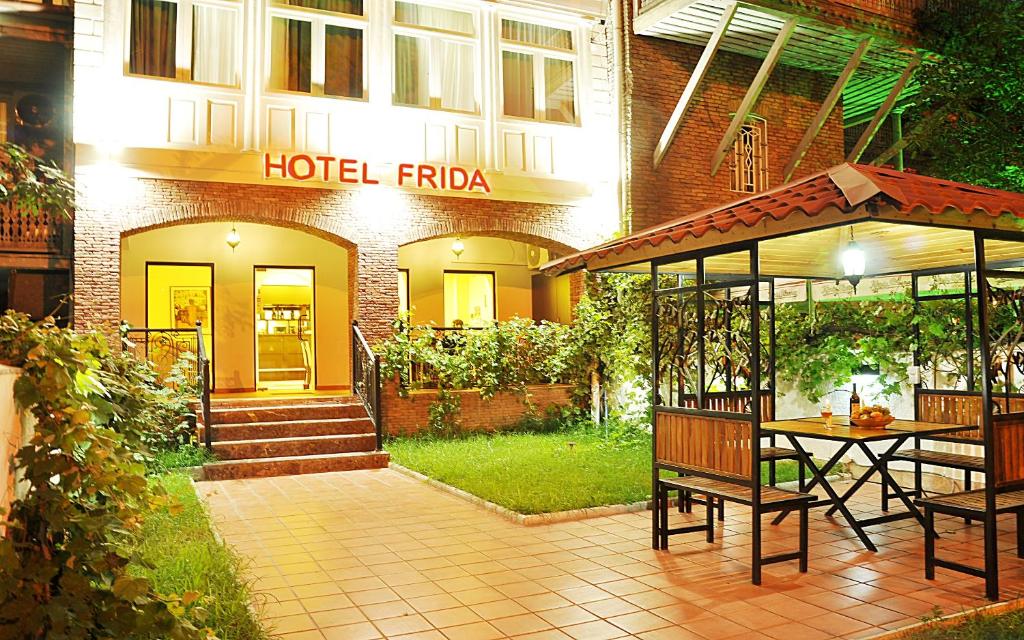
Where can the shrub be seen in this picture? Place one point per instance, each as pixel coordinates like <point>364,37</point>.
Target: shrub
<point>63,559</point>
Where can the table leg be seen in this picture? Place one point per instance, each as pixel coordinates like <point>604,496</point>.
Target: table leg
<point>883,471</point>
<point>867,474</point>
<point>827,488</point>
<point>814,477</point>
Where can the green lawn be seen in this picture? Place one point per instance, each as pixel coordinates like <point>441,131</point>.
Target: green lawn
<point>540,472</point>
<point>182,555</point>
<point>1004,626</point>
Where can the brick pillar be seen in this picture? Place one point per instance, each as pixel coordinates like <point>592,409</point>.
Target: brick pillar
<point>97,266</point>
<point>577,285</point>
<point>376,304</point>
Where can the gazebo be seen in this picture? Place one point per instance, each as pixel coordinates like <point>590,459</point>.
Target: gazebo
<point>714,277</point>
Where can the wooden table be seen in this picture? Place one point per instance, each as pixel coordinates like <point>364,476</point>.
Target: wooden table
<point>898,432</point>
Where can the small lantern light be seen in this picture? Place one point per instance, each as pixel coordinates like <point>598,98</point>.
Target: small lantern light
<point>854,262</point>
<point>233,239</point>
<point>458,247</point>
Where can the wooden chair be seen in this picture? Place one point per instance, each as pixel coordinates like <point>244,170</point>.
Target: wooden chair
<point>718,460</point>
<point>1003,493</point>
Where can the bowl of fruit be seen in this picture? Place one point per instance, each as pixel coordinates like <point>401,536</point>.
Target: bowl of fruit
<point>873,417</point>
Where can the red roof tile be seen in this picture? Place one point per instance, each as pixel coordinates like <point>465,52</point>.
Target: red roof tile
<point>846,187</point>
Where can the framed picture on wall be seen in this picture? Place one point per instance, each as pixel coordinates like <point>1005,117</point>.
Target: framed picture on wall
<point>190,305</point>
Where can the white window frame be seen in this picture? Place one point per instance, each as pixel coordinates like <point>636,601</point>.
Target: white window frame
<point>183,42</point>
<point>433,36</point>
<point>539,53</point>
<point>319,20</point>
<point>738,181</point>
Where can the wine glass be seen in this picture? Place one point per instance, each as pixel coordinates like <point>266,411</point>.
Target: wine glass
<point>826,413</point>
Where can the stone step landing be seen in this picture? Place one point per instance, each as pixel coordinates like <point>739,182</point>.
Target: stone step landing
<point>263,437</point>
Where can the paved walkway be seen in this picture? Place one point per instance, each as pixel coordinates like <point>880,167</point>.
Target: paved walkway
<point>362,555</point>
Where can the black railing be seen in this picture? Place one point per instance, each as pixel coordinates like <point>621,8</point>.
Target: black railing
<point>366,379</point>
<point>203,363</point>
<point>164,348</point>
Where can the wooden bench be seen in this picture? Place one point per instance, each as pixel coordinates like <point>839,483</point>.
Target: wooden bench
<point>714,453</point>
<point>944,407</point>
<point>768,454</point>
<point>771,499</point>
<point>1003,493</point>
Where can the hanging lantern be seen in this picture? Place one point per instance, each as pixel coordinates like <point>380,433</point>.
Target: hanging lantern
<point>458,247</point>
<point>233,239</point>
<point>854,262</point>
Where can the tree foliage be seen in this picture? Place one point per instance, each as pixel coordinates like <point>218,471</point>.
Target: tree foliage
<point>69,536</point>
<point>968,120</point>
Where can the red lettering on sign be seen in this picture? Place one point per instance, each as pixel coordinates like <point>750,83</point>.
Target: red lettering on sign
<point>425,173</point>
<point>268,166</point>
<point>347,167</point>
<point>459,179</point>
<point>325,166</point>
<point>404,171</point>
<point>366,176</point>
<point>293,170</point>
<point>478,181</point>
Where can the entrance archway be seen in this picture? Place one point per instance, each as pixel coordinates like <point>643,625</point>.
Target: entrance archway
<point>160,263</point>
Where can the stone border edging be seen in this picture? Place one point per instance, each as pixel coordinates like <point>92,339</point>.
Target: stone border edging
<point>949,620</point>
<point>535,519</point>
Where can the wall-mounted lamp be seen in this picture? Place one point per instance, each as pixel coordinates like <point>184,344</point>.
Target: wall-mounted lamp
<point>233,239</point>
<point>458,247</point>
<point>854,262</point>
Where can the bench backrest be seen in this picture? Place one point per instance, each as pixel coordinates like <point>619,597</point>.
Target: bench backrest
<point>961,408</point>
<point>731,402</point>
<point>718,447</point>
<point>1008,444</point>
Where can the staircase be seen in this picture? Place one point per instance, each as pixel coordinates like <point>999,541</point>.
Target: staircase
<point>262,437</point>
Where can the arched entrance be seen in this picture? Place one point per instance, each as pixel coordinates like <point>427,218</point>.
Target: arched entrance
<point>277,306</point>
<point>470,280</point>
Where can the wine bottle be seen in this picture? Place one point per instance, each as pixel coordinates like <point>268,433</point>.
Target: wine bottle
<point>854,402</point>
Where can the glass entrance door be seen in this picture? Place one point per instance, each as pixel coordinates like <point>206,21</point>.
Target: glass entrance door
<point>284,305</point>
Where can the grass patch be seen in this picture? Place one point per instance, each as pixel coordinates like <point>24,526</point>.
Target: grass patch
<point>179,554</point>
<point>978,626</point>
<point>188,455</point>
<point>540,472</point>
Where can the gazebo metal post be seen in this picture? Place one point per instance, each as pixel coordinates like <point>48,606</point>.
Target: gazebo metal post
<point>655,493</point>
<point>701,368</point>
<point>988,432</point>
<point>755,412</point>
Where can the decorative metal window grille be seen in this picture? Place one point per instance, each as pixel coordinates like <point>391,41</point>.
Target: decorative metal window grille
<point>750,157</point>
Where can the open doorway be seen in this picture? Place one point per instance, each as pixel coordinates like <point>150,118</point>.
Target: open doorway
<point>285,332</point>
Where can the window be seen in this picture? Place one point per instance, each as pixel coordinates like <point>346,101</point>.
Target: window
<point>435,58</point>
<point>750,157</point>
<point>185,40</point>
<point>403,292</point>
<point>537,71</point>
<point>468,298</point>
<point>318,47</point>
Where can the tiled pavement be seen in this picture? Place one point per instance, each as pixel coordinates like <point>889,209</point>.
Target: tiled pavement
<point>362,555</point>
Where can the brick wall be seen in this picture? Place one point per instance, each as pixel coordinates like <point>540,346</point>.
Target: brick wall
<point>410,415</point>
<point>656,74</point>
<point>374,232</point>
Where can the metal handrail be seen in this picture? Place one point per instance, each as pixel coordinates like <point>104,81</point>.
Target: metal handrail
<point>204,386</point>
<point>366,380</point>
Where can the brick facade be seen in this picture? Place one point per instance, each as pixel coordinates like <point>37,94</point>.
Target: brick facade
<point>656,73</point>
<point>106,212</point>
<point>410,415</point>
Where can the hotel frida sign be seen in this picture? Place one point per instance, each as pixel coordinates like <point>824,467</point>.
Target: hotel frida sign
<point>437,177</point>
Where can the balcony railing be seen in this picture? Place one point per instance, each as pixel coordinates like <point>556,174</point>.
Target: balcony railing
<point>24,232</point>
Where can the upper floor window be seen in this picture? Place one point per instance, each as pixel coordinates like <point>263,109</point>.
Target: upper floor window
<point>537,72</point>
<point>185,40</point>
<point>435,58</point>
<point>317,47</point>
<point>750,157</point>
